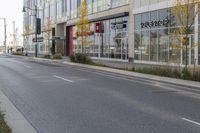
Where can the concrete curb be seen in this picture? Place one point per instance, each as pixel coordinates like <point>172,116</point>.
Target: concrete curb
<point>128,73</point>
<point>140,75</point>
<point>15,120</point>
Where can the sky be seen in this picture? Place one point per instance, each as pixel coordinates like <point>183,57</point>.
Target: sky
<point>12,11</point>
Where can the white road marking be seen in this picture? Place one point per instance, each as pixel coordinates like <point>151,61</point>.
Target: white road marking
<point>27,66</point>
<point>63,79</point>
<point>191,121</point>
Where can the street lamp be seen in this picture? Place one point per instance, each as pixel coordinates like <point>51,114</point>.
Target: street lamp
<point>37,25</point>
<point>5,36</point>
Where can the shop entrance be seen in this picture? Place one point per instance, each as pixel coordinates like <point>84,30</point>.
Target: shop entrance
<point>69,41</point>
<point>120,49</point>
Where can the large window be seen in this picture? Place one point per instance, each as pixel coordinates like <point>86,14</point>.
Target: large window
<point>155,38</point>
<point>116,3</point>
<point>74,6</point>
<point>112,43</point>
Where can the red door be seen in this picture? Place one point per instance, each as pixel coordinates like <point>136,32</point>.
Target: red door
<point>70,41</point>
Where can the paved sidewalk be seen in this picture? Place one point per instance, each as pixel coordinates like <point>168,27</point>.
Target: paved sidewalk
<point>15,120</point>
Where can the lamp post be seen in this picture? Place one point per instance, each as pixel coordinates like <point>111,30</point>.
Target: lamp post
<point>5,36</point>
<point>36,26</point>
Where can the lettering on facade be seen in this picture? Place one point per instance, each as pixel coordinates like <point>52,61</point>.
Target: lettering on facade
<point>155,23</point>
<point>88,33</point>
<point>119,25</point>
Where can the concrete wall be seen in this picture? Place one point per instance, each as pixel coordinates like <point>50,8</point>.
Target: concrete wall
<point>60,33</point>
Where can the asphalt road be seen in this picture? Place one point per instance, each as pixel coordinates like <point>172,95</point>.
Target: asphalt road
<point>69,99</point>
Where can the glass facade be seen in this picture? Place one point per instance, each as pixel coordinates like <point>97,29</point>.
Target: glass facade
<point>64,10</point>
<point>155,39</point>
<point>141,3</point>
<point>112,43</point>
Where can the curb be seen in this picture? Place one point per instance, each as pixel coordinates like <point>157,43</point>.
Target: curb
<point>140,75</point>
<point>15,120</point>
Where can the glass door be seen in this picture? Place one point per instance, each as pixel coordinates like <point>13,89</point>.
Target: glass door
<point>124,47</point>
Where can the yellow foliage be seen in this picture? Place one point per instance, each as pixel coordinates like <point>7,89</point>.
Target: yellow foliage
<point>26,30</point>
<point>184,13</point>
<point>83,23</point>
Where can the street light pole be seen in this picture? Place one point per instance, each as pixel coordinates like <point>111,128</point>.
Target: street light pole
<point>14,35</point>
<point>36,26</point>
<point>36,46</point>
<point>5,36</point>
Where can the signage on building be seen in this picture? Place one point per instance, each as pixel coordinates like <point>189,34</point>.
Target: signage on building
<point>89,33</point>
<point>99,27</point>
<point>155,23</point>
<point>39,39</point>
<point>119,25</point>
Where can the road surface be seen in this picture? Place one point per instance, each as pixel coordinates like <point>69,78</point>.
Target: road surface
<point>72,99</point>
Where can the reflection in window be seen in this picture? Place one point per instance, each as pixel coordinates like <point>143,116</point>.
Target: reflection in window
<point>115,40</point>
<point>163,45</point>
<point>145,47</point>
<point>153,45</point>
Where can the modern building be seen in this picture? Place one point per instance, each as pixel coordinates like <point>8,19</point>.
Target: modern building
<point>133,30</point>
<point>113,14</point>
<point>154,24</point>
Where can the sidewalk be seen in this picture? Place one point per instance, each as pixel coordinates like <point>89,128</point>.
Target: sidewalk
<point>66,61</point>
<point>15,120</point>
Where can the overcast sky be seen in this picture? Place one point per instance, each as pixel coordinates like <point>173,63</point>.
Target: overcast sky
<point>12,11</point>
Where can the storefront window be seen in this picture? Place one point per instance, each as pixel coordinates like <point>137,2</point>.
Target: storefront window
<point>138,22</point>
<point>158,38</point>
<point>137,47</point>
<point>154,45</point>
<point>163,45</point>
<point>145,47</point>
<point>112,43</point>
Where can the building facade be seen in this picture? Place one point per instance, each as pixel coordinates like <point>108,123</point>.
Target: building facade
<point>154,24</point>
<point>133,30</point>
<point>111,44</point>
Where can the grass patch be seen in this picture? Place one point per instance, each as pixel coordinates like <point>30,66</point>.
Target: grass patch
<point>185,73</point>
<point>3,126</point>
<point>17,53</point>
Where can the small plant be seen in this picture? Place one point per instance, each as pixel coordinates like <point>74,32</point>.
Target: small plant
<point>81,58</point>
<point>17,53</point>
<point>57,56</point>
<point>3,126</point>
<point>47,56</point>
<point>186,73</point>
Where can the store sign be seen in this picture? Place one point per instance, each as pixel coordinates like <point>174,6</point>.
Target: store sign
<point>89,33</point>
<point>155,23</point>
<point>119,25</point>
<point>99,27</point>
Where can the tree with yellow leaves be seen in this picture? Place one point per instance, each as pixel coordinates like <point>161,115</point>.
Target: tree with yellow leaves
<point>184,14</point>
<point>26,35</point>
<point>47,32</point>
<point>83,25</point>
